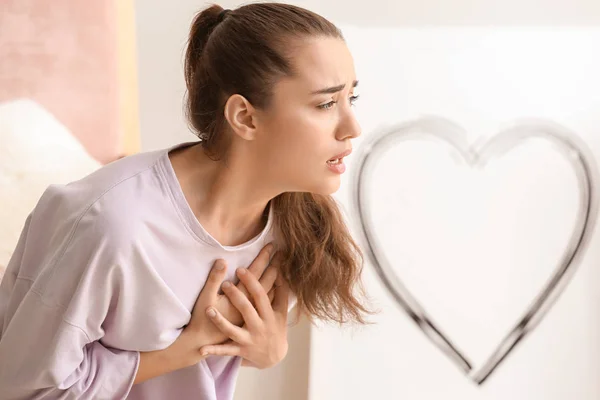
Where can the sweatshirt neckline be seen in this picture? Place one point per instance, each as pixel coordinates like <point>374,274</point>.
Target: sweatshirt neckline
<point>186,213</point>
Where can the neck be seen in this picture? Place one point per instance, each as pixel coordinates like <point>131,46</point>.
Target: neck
<point>229,200</point>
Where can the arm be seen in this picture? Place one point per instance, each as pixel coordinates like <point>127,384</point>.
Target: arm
<point>44,356</point>
<point>62,282</point>
<point>46,350</point>
<point>51,359</point>
<point>156,363</point>
<point>153,364</point>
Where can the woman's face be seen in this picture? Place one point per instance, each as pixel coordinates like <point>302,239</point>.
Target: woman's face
<point>310,121</point>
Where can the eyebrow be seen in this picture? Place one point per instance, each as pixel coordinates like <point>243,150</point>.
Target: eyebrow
<point>333,89</point>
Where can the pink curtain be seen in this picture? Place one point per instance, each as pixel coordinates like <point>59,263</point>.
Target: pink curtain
<point>64,55</point>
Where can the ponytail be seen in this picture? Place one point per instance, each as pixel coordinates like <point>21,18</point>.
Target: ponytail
<point>319,258</point>
<point>203,25</point>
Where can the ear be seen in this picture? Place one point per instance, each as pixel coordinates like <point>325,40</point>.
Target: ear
<point>241,116</point>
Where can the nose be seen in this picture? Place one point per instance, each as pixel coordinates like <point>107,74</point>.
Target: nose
<point>349,128</point>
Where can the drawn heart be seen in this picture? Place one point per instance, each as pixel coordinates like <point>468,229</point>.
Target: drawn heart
<point>477,156</point>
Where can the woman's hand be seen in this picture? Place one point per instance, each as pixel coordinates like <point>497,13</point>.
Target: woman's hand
<point>265,273</point>
<point>200,331</point>
<point>263,339</point>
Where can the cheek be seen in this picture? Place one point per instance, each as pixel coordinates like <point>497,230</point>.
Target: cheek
<point>312,131</point>
<point>292,152</point>
<point>301,139</point>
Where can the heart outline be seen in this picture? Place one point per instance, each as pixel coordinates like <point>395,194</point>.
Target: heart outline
<point>478,155</point>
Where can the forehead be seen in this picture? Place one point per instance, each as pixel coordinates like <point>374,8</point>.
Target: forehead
<point>322,62</point>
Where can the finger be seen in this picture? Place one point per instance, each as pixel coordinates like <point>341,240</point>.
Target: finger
<point>242,304</point>
<point>258,266</point>
<point>227,349</point>
<point>269,277</point>
<point>258,293</point>
<point>243,289</point>
<point>233,332</point>
<point>267,280</point>
<point>213,283</point>
<point>261,262</point>
<point>271,295</point>
<point>282,292</point>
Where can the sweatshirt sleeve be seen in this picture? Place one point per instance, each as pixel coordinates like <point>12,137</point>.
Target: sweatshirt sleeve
<point>52,309</point>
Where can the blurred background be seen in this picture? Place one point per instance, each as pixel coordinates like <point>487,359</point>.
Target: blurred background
<point>85,83</point>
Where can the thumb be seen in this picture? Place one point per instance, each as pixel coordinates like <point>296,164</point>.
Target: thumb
<point>228,348</point>
<point>213,283</point>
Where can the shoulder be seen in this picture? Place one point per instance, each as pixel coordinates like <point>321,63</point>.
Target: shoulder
<point>103,203</point>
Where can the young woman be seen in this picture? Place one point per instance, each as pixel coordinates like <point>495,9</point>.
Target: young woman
<point>110,293</point>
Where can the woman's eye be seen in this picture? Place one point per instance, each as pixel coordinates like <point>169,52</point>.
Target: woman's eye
<point>327,106</point>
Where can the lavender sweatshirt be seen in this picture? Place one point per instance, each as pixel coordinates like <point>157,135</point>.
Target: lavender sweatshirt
<point>106,267</point>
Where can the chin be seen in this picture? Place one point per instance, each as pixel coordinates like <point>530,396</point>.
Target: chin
<point>327,187</point>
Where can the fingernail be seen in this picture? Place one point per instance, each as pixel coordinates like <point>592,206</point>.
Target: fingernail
<point>226,284</point>
<point>220,266</point>
<point>211,312</point>
<point>242,270</point>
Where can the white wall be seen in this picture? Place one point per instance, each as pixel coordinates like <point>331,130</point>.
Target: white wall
<point>387,13</point>
<point>474,247</point>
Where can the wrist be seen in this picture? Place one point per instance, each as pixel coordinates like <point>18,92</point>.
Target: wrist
<point>173,359</point>
<point>183,352</point>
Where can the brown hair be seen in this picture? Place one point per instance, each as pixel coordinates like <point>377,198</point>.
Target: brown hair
<point>242,51</point>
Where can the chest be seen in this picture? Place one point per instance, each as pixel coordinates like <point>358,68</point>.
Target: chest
<point>153,308</point>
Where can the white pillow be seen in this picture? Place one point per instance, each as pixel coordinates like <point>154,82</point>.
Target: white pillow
<point>36,150</point>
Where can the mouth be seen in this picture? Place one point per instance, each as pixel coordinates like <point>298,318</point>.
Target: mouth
<point>335,161</point>
<point>339,159</point>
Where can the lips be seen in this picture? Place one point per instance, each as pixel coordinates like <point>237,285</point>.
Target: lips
<point>339,158</point>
